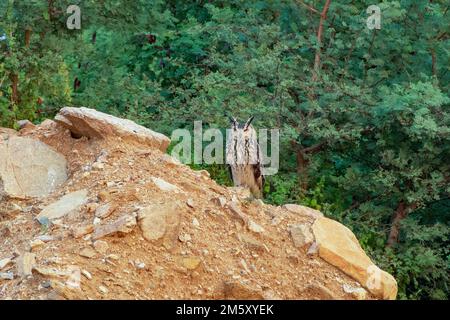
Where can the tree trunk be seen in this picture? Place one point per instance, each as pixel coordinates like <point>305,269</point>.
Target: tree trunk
<point>14,77</point>
<point>302,170</point>
<point>323,17</point>
<point>27,37</point>
<point>400,214</point>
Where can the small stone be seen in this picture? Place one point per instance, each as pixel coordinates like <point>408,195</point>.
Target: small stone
<point>45,238</point>
<point>357,293</point>
<point>190,263</point>
<point>319,292</point>
<point>65,205</point>
<point>80,232</point>
<point>105,210</point>
<point>195,222</point>
<point>103,289</point>
<point>113,257</point>
<point>313,249</point>
<point>36,243</point>
<point>5,262</point>
<point>161,221</point>
<point>124,224</point>
<point>221,201</point>
<point>25,123</point>
<point>139,264</point>
<point>244,265</point>
<point>190,203</point>
<point>25,264</point>
<point>259,202</point>
<point>110,184</point>
<point>6,275</point>
<point>97,221</point>
<point>16,207</point>
<point>238,214</point>
<point>164,185</point>
<point>88,252</point>
<point>251,243</point>
<point>184,237</point>
<point>98,166</point>
<point>101,246</point>
<point>86,274</point>
<point>237,290</point>
<point>104,195</point>
<point>169,159</point>
<point>253,226</point>
<point>91,207</point>
<point>301,235</point>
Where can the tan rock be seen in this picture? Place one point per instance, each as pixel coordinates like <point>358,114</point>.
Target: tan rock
<point>251,242</point>
<point>101,246</point>
<point>237,290</point>
<point>88,252</point>
<point>25,264</point>
<point>339,247</point>
<point>124,224</point>
<point>190,203</point>
<point>81,231</point>
<point>4,262</point>
<point>91,207</point>
<point>221,201</point>
<point>357,293</point>
<point>319,292</point>
<point>170,160</point>
<point>103,289</point>
<point>237,212</point>
<point>160,221</point>
<point>30,168</point>
<point>104,195</point>
<point>95,124</point>
<point>302,210</point>
<point>67,204</point>
<point>254,227</point>
<point>190,263</point>
<point>164,185</point>
<point>52,272</point>
<point>36,243</point>
<point>241,193</point>
<point>301,235</point>
<point>87,274</point>
<point>185,237</point>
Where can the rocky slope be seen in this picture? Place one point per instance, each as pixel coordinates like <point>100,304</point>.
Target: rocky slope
<point>92,208</point>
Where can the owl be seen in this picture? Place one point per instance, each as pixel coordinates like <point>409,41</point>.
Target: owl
<point>243,155</point>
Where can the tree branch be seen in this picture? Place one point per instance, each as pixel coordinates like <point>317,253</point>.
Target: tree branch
<point>309,7</point>
<point>323,17</point>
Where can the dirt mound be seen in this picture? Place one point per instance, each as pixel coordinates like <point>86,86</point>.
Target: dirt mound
<point>151,228</point>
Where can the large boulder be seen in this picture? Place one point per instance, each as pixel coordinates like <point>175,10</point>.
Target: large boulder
<point>303,211</point>
<point>95,124</point>
<point>30,168</point>
<point>339,247</point>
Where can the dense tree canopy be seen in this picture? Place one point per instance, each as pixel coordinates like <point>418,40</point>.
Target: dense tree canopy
<point>363,113</point>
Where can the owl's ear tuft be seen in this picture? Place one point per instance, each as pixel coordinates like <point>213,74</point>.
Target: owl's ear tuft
<point>234,123</point>
<point>247,124</point>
